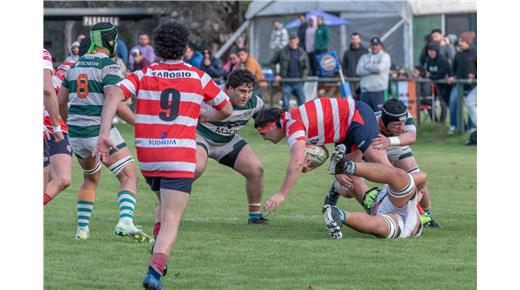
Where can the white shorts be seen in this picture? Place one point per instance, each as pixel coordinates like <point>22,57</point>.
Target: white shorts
<point>396,153</point>
<point>224,153</point>
<point>83,147</point>
<point>407,217</point>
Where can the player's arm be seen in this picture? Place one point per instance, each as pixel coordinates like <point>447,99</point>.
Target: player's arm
<point>63,102</point>
<point>294,170</point>
<point>125,113</point>
<point>216,115</point>
<point>407,138</point>
<point>50,101</point>
<point>113,97</point>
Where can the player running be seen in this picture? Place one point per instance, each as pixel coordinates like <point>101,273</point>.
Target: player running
<point>221,142</point>
<point>83,89</point>
<point>321,121</point>
<point>394,214</point>
<point>50,103</point>
<point>169,95</point>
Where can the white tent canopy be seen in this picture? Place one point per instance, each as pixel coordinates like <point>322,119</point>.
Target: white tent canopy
<point>390,20</point>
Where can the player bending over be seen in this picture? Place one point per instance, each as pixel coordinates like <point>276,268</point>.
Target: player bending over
<point>84,89</point>
<point>394,214</point>
<point>221,141</point>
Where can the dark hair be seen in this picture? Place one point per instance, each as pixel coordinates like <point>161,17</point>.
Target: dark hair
<point>240,77</point>
<point>84,46</point>
<point>436,30</point>
<point>393,110</point>
<point>266,116</point>
<point>143,33</point>
<point>170,40</point>
<point>277,20</point>
<point>428,38</point>
<point>356,33</point>
<point>242,49</point>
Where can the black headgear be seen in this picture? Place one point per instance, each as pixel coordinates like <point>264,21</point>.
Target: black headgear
<point>393,111</point>
<point>84,46</point>
<point>104,35</point>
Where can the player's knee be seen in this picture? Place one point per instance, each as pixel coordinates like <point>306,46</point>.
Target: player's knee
<point>390,229</point>
<point>92,178</point>
<point>63,181</point>
<point>256,172</point>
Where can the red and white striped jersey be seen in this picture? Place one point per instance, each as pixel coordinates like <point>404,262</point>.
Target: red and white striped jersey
<point>47,60</point>
<point>321,121</point>
<point>169,95</point>
<point>57,79</point>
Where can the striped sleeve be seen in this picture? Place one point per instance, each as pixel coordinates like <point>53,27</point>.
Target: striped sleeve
<point>259,105</point>
<point>47,61</point>
<point>295,131</point>
<point>213,95</point>
<point>130,85</point>
<point>409,126</point>
<point>112,74</point>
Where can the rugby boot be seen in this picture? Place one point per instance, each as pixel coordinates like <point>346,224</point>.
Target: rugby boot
<point>332,196</point>
<point>258,221</point>
<point>336,159</point>
<point>433,223</point>
<point>128,229</point>
<point>152,280</point>
<point>333,221</point>
<point>82,233</point>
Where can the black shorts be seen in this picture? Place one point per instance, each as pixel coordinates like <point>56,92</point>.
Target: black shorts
<point>362,130</point>
<point>179,184</point>
<point>62,147</point>
<point>46,156</point>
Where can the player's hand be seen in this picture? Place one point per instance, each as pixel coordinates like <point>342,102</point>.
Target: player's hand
<point>46,134</point>
<point>58,136</point>
<point>272,203</point>
<point>380,142</point>
<point>103,146</point>
<point>345,181</point>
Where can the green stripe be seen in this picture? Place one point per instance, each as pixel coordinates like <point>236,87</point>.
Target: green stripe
<point>82,217</point>
<point>112,150</point>
<point>127,200</point>
<point>107,61</point>
<point>85,202</point>
<point>126,215</point>
<point>82,224</point>
<point>85,110</point>
<point>235,123</point>
<point>93,86</point>
<point>83,131</point>
<point>111,80</point>
<point>126,208</point>
<point>406,155</point>
<point>125,192</point>
<point>84,209</point>
<point>214,137</point>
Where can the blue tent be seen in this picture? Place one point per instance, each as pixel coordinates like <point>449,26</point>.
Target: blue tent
<point>330,20</point>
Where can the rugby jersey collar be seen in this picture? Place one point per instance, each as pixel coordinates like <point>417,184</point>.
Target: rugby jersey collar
<point>171,61</point>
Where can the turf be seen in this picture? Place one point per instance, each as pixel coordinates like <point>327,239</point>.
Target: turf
<point>216,249</point>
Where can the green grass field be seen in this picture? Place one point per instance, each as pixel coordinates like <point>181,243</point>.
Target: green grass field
<point>217,249</point>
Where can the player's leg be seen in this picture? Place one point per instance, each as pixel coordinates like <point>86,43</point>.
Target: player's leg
<point>87,195</point>
<point>174,195</point>
<point>46,163</point>
<point>202,160</point>
<point>248,164</point>
<point>60,168</point>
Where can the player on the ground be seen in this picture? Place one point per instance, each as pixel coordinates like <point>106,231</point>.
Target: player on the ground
<point>321,121</point>
<point>221,142</point>
<point>169,95</point>
<point>59,152</point>
<point>398,132</point>
<point>50,103</point>
<point>394,214</point>
<point>83,89</point>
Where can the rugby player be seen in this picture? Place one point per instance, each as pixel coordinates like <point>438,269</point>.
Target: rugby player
<point>50,103</point>
<point>83,89</point>
<point>221,142</point>
<point>169,95</point>
<point>394,214</point>
<point>321,121</point>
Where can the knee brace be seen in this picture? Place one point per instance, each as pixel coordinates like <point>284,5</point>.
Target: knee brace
<point>407,190</point>
<point>118,166</point>
<point>93,170</point>
<point>414,169</point>
<point>393,228</point>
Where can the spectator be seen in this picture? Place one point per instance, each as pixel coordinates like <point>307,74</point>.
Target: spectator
<point>122,50</point>
<point>249,62</point>
<point>293,64</point>
<point>211,65</point>
<point>232,64</point>
<point>422,58</point>
<point>322,38</point>
<point>279,37</point>
<point>438,68</point>
<point>445,49</point>
<point>464,67</point>
<point>374,68</point>
<point>301,30</point>
<point>74,52</point>
<point>138,60</point>
<point>310,35</point>
<point>350,59</point>
<point>80,37</point>
<point>145,48</point>
<point>193,57</point>
<point>240,43</point>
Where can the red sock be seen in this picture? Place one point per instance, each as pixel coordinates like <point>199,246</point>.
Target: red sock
<point>46,198</point>
<point>158,262</point>
<point>156,229</point>
<point>421,211</point>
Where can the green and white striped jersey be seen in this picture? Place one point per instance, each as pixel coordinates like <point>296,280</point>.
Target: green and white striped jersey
<point>85,81</point>
<point>223,131</point>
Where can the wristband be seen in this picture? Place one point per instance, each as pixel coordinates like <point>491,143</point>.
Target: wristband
<point>56,129</point>
<point>394,141</point>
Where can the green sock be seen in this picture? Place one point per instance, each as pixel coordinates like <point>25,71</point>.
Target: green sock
<point>126,201</point>
<point>84,211</point>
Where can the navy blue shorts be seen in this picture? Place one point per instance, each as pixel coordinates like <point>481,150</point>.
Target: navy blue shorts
<point>62,147</point>
<point>46,156</point>
<point>179,184</point>
<point>362,130</point>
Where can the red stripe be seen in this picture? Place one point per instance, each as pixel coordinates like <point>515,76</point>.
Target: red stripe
<point>310,108</point>
<point>47,122</point>
<point>221,105</point>
<point>168,174</point>
<point>155,131</point>
<point>126,92</point>
<point>295,127</point>
<point>328,120</point>
<point>167,154</point>
<point>153,108</point>
<point>210,91</point>
<point>343,116</point>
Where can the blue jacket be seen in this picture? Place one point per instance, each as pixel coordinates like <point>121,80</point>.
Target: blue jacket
<point>195,60</point>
